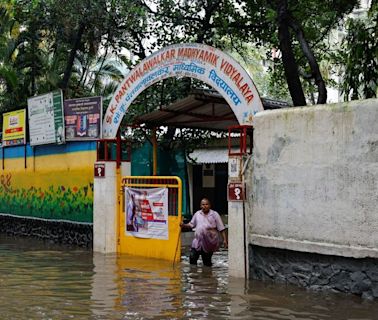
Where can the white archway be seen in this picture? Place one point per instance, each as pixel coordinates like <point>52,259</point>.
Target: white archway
<point>193,60</point>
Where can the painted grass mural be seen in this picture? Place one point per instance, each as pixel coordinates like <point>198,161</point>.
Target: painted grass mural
<point>62,191</point>
<point>54,202</point>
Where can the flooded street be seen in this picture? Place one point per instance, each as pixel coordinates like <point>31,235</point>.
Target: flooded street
<point>45,281</point>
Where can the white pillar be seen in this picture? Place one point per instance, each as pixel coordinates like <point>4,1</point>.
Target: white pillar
<point>105,210</point>
<point>105,207</point>
<point>236,242</point>
<point>125,169</point>
<point>238,260</point>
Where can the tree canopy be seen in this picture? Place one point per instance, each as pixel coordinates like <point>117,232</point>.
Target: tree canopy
<point>358,56</point>
<point>86,47</point>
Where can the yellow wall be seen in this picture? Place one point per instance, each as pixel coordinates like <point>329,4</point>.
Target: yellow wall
<point>57,182</point>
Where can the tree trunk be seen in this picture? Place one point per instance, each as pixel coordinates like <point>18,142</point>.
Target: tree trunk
<point>71,59</point>
<point>322,90</point>
<point>33,63</point>
<point>288,59</point>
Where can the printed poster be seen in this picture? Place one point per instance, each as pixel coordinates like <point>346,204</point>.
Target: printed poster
<point>14,132</point>
<point>45,113</point>
<point>147,212</point>
<point>83,118</point>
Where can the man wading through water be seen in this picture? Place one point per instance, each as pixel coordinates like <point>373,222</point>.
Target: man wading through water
<point>207,223</point>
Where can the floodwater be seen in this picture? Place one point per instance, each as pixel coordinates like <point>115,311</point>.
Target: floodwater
<point>45,281</point>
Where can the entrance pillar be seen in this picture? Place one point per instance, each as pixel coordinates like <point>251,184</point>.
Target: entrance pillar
<point>238,160</point>
<point>106,206</point>
<point>105,209</point>
<point>237,263</point>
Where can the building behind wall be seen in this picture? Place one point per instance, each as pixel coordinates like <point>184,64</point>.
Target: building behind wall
<point>208,177</point>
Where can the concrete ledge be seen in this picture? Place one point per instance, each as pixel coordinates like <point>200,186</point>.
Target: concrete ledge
<point>314,247</point>
<point>315,271</point>
<point>62,232</point>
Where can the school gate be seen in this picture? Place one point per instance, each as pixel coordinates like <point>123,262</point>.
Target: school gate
<point>201,62</point>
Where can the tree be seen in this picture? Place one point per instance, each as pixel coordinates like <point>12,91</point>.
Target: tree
<point>68,44</point>
<point>72,45</point>
<point>359,56</point>
<point>9,31</point>
<point>174,22</point>
<point>298,29</point>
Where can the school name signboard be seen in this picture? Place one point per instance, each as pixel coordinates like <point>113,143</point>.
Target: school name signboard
<point>193,60</point>
<point>83,118</point>
<point>14,128</point>
<point>45,114</point>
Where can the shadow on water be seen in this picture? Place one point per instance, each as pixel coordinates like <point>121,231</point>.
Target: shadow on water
<point>45,281</point>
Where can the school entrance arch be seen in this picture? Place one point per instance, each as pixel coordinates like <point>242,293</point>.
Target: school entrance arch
<point>198,61</point>
<point>192,60</point>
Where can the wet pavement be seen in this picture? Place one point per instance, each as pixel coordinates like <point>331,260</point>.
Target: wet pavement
<point>46,281</point>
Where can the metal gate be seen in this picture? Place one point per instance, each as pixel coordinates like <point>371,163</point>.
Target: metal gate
<point>167,249</point>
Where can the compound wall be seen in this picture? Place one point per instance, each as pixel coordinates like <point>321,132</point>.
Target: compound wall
<point>313,185</point>
<point>51,184</point>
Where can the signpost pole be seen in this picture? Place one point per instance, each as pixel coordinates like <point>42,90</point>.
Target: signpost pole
<point>154,152</point>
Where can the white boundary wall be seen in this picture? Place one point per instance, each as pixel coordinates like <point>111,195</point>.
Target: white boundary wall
<point>313,185</point>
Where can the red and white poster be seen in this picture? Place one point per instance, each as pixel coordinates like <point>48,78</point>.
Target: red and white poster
<point>147,212</point>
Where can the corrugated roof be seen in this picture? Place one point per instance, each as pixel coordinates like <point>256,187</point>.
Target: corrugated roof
<point>203,109</point>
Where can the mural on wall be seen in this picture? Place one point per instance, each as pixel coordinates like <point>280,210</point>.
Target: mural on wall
<point>59,193</point>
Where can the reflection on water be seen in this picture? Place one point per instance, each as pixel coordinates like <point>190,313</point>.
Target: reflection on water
<point>40,281</point>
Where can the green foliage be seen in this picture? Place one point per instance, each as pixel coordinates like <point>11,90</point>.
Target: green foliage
<point>79,45</point>
<point>359,57</point>
<point>77,41</point>
<point>262,68</point>
<point>309,24</point>
<point>63,203</point>
<point>8,75</point>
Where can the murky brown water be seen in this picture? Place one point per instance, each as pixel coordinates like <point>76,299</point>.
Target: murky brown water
<point>40,281</point>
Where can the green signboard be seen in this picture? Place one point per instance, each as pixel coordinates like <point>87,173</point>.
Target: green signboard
<point>45,113</point>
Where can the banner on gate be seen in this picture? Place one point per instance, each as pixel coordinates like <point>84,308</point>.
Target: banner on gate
<point>147,212</point>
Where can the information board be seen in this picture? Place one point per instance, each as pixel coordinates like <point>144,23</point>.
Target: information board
<point>83,118</point>
<point>14,128</point>
<point>45,114</point>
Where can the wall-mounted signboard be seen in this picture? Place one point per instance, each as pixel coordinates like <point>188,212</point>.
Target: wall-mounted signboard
<point>45,114</point>
<point>99,170</point>
<point>83,118</point>
<point>14,128</point>
<point>236,191</point>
